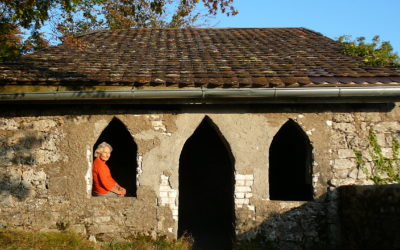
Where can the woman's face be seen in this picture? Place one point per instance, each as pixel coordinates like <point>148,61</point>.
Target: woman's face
<point>105,154</point>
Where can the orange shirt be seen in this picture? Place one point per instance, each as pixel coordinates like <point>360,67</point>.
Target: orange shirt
<point>102,179</point>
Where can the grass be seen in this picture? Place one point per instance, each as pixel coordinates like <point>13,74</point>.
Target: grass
<point>70,241</point>
<point>29,240</point>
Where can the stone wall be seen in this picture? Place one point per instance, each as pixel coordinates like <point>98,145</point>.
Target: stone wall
<point>370,216</point>
<point>46,154</point>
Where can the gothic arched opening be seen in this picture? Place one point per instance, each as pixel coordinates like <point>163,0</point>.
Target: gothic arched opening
<point>123,162</point>
<point>290,159</point>
<point>206,187</point>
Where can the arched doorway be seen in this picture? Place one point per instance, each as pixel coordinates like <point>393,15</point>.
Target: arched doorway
<point>290,164</point>
<point>206,187</point>
<point>123,162</point>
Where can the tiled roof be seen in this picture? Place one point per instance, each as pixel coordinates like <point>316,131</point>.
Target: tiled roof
<point>231,57</point>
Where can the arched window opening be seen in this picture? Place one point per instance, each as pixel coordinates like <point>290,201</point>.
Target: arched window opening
<point>206,189</point>
<point>123,162</point>
<point>290,161</point>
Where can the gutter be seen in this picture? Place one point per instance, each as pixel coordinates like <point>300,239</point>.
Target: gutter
<point>382,94</point>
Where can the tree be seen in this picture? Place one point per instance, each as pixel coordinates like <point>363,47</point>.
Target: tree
<point>68,17</point>
<point>376,53</point>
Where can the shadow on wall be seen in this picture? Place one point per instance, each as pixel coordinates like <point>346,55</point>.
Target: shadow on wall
<point>351,217</point>
<point>18,152</point>
<point>14,188</point>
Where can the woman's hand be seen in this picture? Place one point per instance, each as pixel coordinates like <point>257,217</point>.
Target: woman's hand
<point>122,192</point>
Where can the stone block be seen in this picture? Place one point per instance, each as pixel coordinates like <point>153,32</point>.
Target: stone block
<point>343,118</point>
<point>341,173</point>
<point>163,194</point>
<point>8,124</point>
<point>345,127</point>
<point>172,194</point>
<point>343,164</point>
<point>78,228</point>
<point>43,125</point>
<point>387,152</point>
<point>354,173</point>
<point>101,219</point>
<point>96,229</point>
<point>345,153</point>
<point>387,127</point>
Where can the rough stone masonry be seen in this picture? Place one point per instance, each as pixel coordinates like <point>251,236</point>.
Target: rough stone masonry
<point>46,155</point>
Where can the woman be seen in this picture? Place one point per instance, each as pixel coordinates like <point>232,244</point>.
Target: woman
<point>103,183</point>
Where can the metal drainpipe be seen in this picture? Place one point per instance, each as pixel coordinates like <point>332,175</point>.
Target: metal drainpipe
<point>203,95</point>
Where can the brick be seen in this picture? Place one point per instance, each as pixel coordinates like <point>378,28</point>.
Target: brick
<point>164,201</point>
<point>252,208</point>
<point>172,194</point>
<point>164,188</point>
<point>249,177</point>
<point>239,177</point>
<point>242,189</point>
<point>239,195</point>
<point>249,195</point>
<point>239,201</point>
<point>249,182</point>
<point>240,182</point>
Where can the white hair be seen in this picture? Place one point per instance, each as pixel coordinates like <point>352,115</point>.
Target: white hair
<point>100,147</point>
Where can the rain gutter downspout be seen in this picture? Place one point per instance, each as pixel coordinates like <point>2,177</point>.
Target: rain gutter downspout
<point>204,95</point>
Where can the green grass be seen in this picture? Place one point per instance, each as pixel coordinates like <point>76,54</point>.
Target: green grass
<point>29,240</point>
<point>65,240</point>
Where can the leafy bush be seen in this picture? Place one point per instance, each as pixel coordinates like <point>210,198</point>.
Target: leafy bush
<point>376,53</point>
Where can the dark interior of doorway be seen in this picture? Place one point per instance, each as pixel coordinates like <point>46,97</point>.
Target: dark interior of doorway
<point>123,162</point>
<point>206,186</point>
<point>290,158</point>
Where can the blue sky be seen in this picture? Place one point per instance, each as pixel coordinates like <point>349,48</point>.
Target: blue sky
<point>332,18</point>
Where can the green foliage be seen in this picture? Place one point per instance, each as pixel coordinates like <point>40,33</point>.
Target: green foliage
<point>376,53</point>
<point>384,170</point>
<point>68,17</point>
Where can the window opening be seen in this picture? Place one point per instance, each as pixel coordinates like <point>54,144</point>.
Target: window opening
<point>290,159</point>
<point>206,187</point>
<point>123,161</point>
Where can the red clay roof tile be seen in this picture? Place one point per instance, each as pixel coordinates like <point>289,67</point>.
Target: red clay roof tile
<point>229,58</point>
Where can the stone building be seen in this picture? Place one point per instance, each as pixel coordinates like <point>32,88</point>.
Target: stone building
<point>222,133</point>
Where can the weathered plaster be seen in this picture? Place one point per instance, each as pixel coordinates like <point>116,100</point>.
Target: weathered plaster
<point>45,167</point>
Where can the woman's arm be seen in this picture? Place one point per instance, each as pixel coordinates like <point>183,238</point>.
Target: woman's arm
<point>118,190</point>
